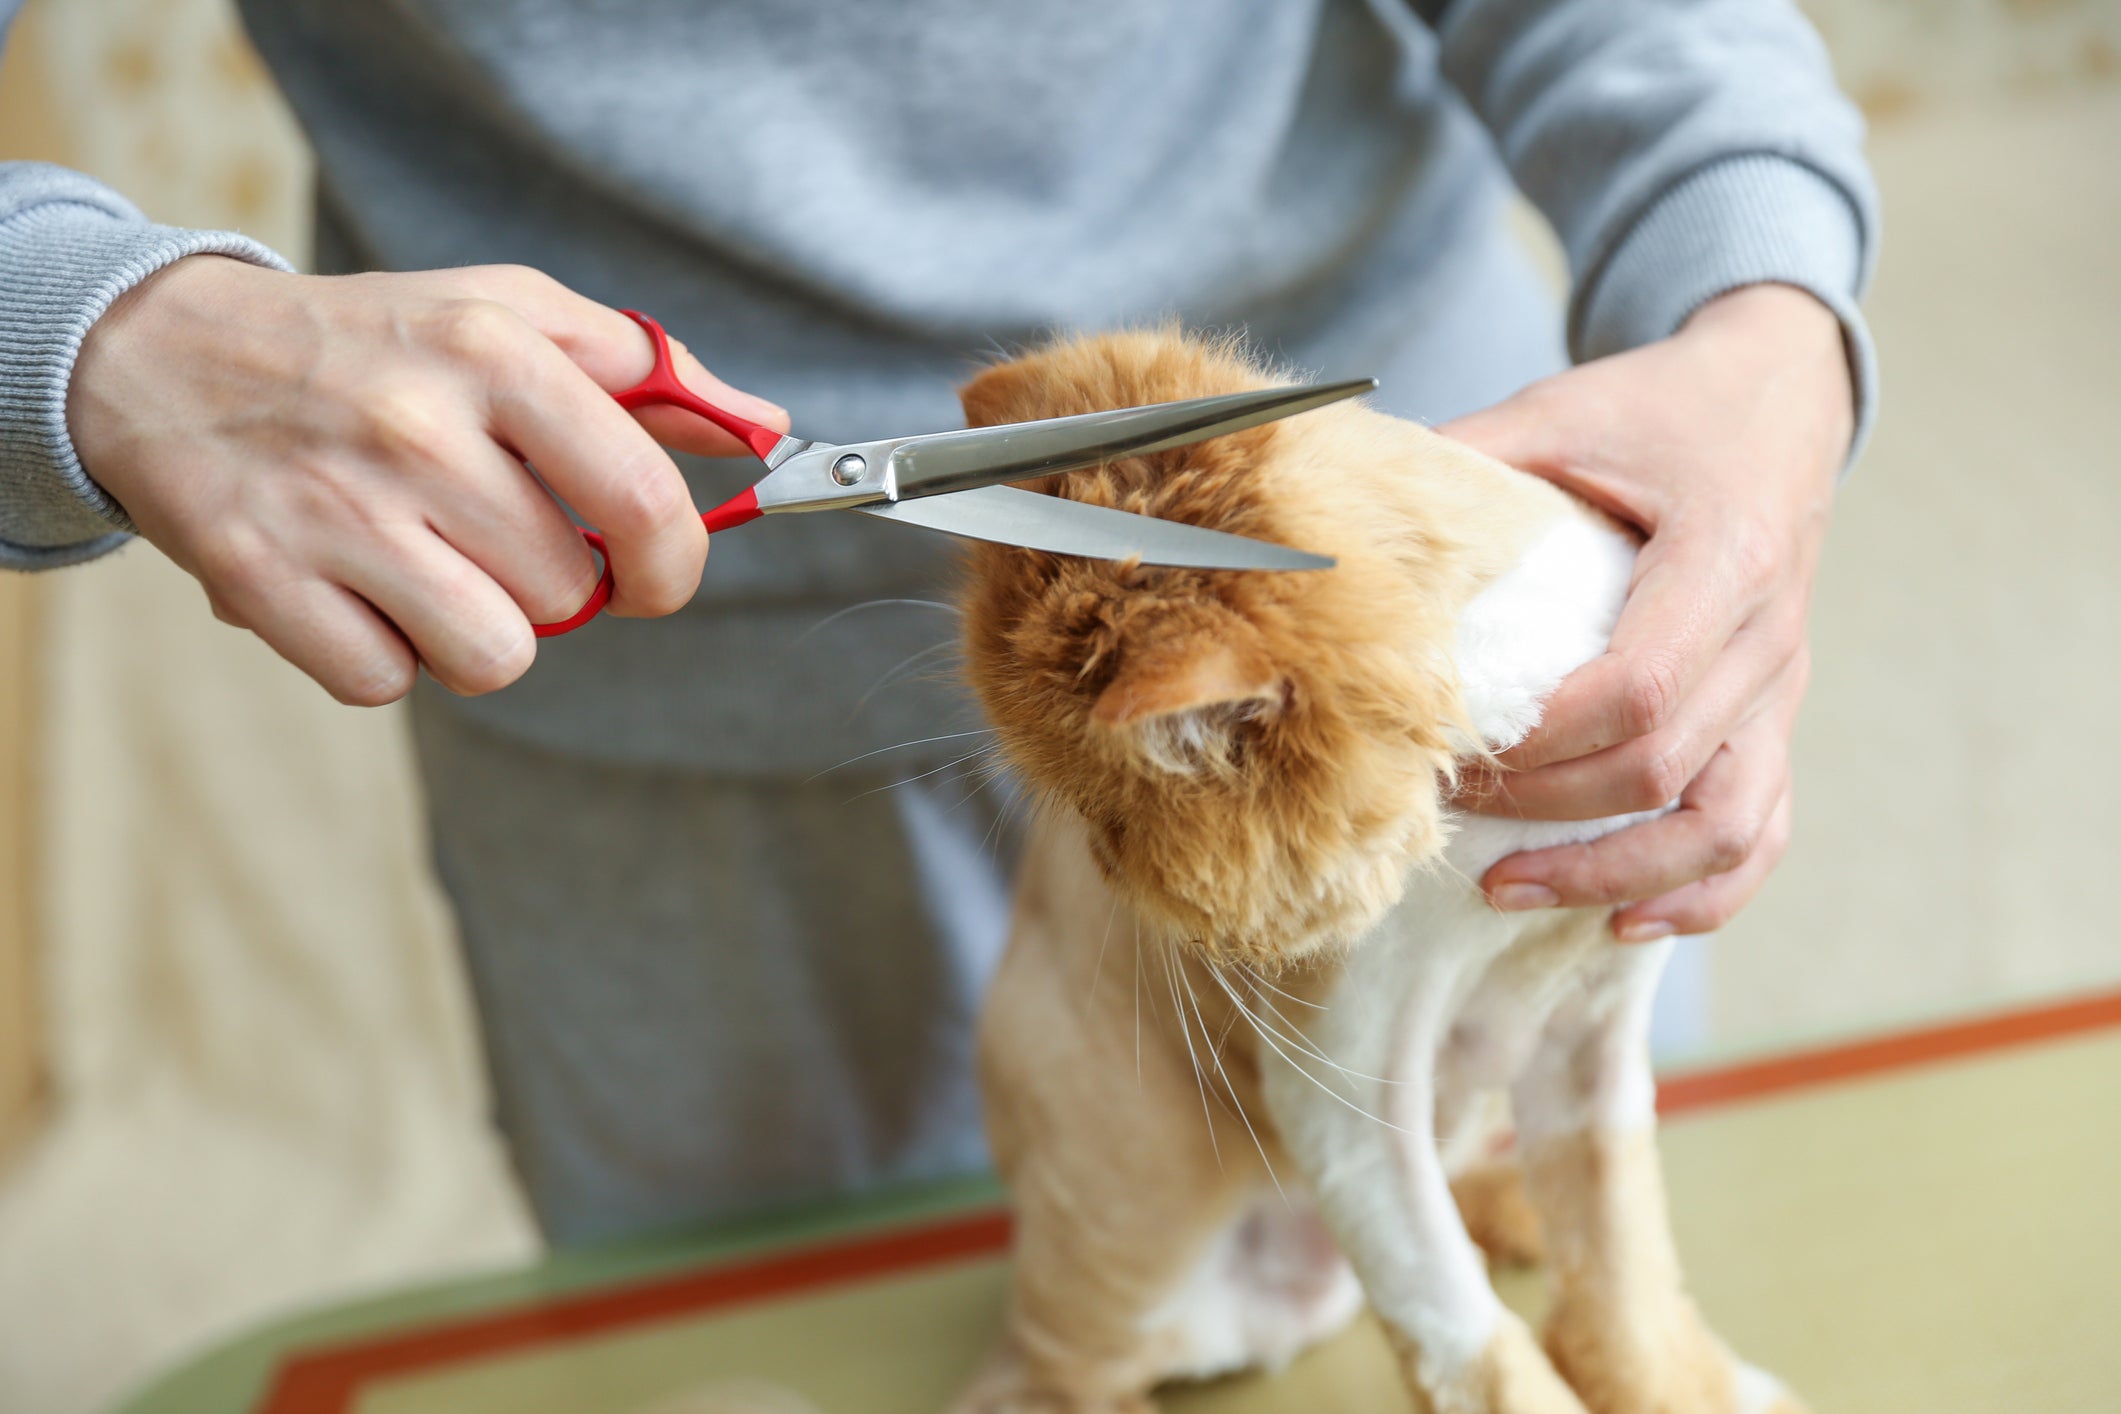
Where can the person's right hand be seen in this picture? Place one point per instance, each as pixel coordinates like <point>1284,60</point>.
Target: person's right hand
<point>340,461</point>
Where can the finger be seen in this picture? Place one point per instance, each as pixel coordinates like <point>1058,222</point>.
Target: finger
<point>1507,432</point>
<point>327,632</point>
<point>617,353</point>
<point>469,634</point>
<point>1686,602</point>
<point>1719,825</point>
<point>590,452</point>
<point>494,512</point>
<point>1707,905</point>
<point>1650,771</point>
<point>689,432</point>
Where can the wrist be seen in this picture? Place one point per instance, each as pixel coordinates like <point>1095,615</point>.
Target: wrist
<point>1794,344</point>
<point>127,339</point>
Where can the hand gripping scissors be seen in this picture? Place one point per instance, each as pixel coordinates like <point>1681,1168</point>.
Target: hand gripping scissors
<point>952,481</point>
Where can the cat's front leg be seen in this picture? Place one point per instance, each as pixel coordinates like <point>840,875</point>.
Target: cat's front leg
<point>1622,1329</point>
<point>1354,1099</point>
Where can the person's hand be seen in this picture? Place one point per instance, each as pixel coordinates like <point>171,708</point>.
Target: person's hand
<point>341,461</point>
<point>1722,445</point>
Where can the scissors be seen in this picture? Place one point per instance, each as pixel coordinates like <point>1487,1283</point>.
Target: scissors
<point>952,481</point>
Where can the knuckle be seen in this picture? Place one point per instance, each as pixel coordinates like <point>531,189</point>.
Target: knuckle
<point>495,662</point>
<point>476,331</point>
<point>519,277</point>
<point>407,423</point>
<point>1731,843</point>
<point>1611,887</point>
<point>232,563</point>
<point>1585,874</point>
<point>649,499</point>
<point>1754,557</point>
<point>1659,778</point>
<point>224,612</point>
<point>1649,694</point>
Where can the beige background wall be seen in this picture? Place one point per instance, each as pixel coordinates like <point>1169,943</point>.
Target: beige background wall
<point>264,1087</point>
<point>258,1045</point>
<point>21,1070</point>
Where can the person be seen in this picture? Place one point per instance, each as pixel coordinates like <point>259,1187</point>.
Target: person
<point>710,979</point>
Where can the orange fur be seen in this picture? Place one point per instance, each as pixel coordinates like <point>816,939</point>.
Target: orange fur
<point>1499,1215</point>
<point>1623,1330</point>
<point>1249,767</point>
<point>1321,712</point>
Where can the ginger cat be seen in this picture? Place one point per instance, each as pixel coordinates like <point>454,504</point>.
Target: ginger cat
<point>1255,1019</point>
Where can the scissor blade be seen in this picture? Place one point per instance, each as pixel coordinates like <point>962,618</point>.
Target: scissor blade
<point>985,456</point>
<point>1013,517</point>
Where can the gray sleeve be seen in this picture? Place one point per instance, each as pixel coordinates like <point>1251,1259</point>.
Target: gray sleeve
<point>1681,151</point>
<point>68,247</point>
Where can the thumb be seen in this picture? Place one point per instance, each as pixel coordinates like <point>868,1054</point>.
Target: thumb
<point>1509,431</point>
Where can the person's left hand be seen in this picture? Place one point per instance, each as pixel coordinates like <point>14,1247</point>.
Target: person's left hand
<point>1722,445</point>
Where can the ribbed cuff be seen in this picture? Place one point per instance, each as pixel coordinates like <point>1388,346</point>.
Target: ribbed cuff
<point>1747,220</point>
<point>68,248</point>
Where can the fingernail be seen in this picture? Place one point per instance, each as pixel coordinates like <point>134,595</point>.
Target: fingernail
<point>1646,930</point>
<point>1515,898</point>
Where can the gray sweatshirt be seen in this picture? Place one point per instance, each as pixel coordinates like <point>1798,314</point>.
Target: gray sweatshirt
<point>845,206</point>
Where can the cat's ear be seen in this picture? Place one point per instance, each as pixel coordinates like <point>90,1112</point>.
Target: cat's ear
<point>1170,679</point>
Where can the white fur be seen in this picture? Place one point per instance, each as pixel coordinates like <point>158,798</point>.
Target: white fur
<point>1552,612</point>
<point>1758,1391</point>
<point>1448,998</point>
<point>1270,1285</point>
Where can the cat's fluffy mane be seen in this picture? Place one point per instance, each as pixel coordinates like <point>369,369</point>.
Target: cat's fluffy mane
<point>1259,757</point>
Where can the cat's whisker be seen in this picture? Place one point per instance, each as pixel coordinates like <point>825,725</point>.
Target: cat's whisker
<point>891,674</point>
<point>1322,1086</point>
<point>1098,972</point>
<point>984,774</point>
<point>901,746</point>
<point>1199,1082</point>
<point>830,619</point>
<point>1179,967</point>
<point>1237,1105</point>
<point>1301,1040</point>
<point>911,779</point>
<point>1137,1003</point>
<point>1259,978</point>
<point>1001,820</point>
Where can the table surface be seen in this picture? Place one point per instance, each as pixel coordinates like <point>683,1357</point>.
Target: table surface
<point>1917,1221</point>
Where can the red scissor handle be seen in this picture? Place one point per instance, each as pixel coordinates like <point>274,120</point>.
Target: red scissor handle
<point>661,388</point>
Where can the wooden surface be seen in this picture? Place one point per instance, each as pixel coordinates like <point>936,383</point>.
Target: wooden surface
<point>19,1074</point>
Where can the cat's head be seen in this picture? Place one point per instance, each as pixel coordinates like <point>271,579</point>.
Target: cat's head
<point>1259,758</point>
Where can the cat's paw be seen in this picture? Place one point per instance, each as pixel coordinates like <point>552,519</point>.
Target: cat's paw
<point>1686,1370</point>
<point>1498,1214</point>
<point>1511,1376</point>
<point>1761,1393</point>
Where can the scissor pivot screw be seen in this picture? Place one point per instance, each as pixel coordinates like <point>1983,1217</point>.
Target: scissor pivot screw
<point>850,469</point>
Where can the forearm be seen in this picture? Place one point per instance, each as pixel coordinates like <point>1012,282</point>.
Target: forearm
<point>68,248</point>
<point>1681,152</point>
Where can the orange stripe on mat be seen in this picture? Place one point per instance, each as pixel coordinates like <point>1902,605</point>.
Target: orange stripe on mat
<point>1853,1060</point>
<point>326,1380</point>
